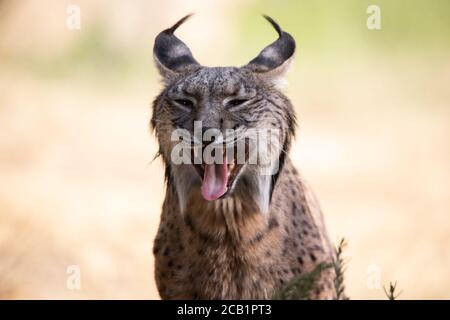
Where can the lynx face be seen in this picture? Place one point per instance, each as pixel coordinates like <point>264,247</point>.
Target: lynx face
<point>231,126</point>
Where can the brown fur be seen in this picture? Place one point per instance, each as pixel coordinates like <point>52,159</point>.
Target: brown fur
<point>264,231</point>
<point>226,250</point>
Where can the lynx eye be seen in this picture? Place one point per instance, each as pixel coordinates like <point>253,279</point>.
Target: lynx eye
<point>236,102</point>
<point>184,102</point>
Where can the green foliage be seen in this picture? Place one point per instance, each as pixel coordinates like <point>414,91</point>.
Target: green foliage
<point>300,286</point>
<point>339,269</point>
<point>93,54</point>
<point>329,26</point>
<point>391,292</point>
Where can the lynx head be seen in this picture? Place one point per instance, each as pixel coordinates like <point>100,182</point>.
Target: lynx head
<point>223,113</point>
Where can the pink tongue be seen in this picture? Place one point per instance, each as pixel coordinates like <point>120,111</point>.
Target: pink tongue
<point>215,181</point>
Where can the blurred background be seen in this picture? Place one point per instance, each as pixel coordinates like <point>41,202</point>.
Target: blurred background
<point>78,187</point>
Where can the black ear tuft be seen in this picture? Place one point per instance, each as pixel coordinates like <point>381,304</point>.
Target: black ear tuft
<point>274,24</point>
<point>172,53</point>
<point>275,54</point>
<point>172,29</point>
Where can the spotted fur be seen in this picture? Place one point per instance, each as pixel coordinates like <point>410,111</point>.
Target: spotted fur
<point>268,228</point>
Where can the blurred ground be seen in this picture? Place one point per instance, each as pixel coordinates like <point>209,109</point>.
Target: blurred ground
<point>78,185</point>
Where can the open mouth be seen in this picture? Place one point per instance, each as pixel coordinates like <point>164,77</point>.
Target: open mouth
<point>218,178</point>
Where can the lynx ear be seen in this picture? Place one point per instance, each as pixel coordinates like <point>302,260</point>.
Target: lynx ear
<point>274,60</point>
<point>171,55</point>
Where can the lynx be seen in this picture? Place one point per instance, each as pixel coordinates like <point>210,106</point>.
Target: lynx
<point>229,230</point>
